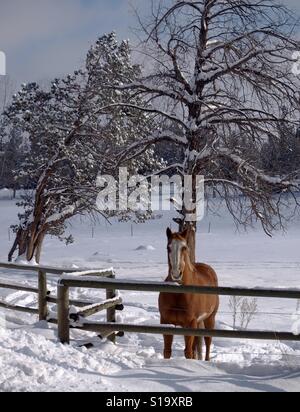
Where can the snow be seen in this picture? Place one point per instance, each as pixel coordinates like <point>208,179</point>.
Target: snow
<point>31,359</point>
<point>58,216</point>
<point>21,260</point>
<point>6,194</point>
<point>258,174</point>
<point>296,321</point>
<point>93,274</point>
<point>95,305</point>
<point>145,247</point>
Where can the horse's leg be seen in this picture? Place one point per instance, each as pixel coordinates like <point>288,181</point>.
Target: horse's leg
<point>200,349</point>
<point>196,347</point>
<point>189,351</point>
<point>199,346</point>
<point>189,341</point>
<point>168,339</point>
<point>209,324</point>
<point>198,343</point>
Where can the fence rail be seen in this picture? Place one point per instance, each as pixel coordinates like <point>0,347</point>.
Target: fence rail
<point>68,282</point>
<point>50,298</point>
<point>171,330</point>
<point>106,280</point>
<point>112,303</point>
<point>36,268</point>
<point>17,286</point>
<point>172,288</point>
<point>17,308</point>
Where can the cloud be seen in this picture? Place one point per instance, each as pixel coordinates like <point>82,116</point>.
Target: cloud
<point>293,4</point>
<point>45,38</point>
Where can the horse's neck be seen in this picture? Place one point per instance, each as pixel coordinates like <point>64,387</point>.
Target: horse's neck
<point>188,271</point>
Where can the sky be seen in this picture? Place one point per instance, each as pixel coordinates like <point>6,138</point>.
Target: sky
<point>43,39</point>
<point>47,38</point>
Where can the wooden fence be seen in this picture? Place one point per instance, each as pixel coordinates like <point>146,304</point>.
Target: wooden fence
<point>68,282</point>
<point>85,308</point>
<point>106,280</point>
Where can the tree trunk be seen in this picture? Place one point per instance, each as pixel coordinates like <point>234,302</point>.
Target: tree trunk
<point>190,226</point>
<point>39,246</point>
<point>28,244</point>
<point>191,239</point>
<point>191,170</point>
<point>19,244</point>
<point>30,236</point>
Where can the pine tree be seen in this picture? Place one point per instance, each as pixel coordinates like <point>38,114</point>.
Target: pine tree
<point>73,129</point>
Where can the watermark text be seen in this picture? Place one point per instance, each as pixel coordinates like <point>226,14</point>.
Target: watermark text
<point>157,193</point>
<point>2,63</point>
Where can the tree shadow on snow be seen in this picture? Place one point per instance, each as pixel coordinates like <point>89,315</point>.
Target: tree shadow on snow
<point>224,383</point>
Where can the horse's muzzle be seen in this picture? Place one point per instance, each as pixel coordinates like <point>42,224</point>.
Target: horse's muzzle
<point>177,279</point>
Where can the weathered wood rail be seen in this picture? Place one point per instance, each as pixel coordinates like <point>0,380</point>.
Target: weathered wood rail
<point>105,280</point>
<point>68,282</point>
<point>141,286</point>
<point>88,308</point>
<point>170,330</point>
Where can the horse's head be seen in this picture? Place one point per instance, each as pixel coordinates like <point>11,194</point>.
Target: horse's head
<point>177,253</point>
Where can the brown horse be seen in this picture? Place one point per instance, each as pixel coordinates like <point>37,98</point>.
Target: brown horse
<point>188,310</point>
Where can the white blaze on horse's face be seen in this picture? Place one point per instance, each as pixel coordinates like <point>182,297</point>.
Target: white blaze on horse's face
<point>176,248</point>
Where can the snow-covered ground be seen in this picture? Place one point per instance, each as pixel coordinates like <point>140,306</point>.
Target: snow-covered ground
<point>31,359</point>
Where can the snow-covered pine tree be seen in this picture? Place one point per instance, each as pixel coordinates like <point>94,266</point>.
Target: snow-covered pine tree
<point>216,70</point>
<point>72,137</point>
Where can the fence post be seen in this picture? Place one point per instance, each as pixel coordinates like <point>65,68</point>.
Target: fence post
<point>43,305</point>
<point>63,313</point>
<point>111,312</point>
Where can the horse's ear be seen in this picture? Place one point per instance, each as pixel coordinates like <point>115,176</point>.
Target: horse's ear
<point>169,233</point>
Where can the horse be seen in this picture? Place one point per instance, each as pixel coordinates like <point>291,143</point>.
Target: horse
<point>188,310</point>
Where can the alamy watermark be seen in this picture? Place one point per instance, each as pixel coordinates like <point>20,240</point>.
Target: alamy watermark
<point>296,321</point>
<point>2,63</point>
<point>138,193</point>
<point>2,323</point>
<point>296,65</point>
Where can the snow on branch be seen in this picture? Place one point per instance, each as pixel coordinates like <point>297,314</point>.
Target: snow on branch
<point>56,217</point>
<point>96,272</point>
<point>143,85</point>
<point>145,109</point>
<point>257,174</point>
<point>143,144</point>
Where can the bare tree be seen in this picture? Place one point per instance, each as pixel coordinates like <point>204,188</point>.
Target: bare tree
<point>243,309</point>
<point>235,303</point>
<point>216,70</point>
<point>249,309</point>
